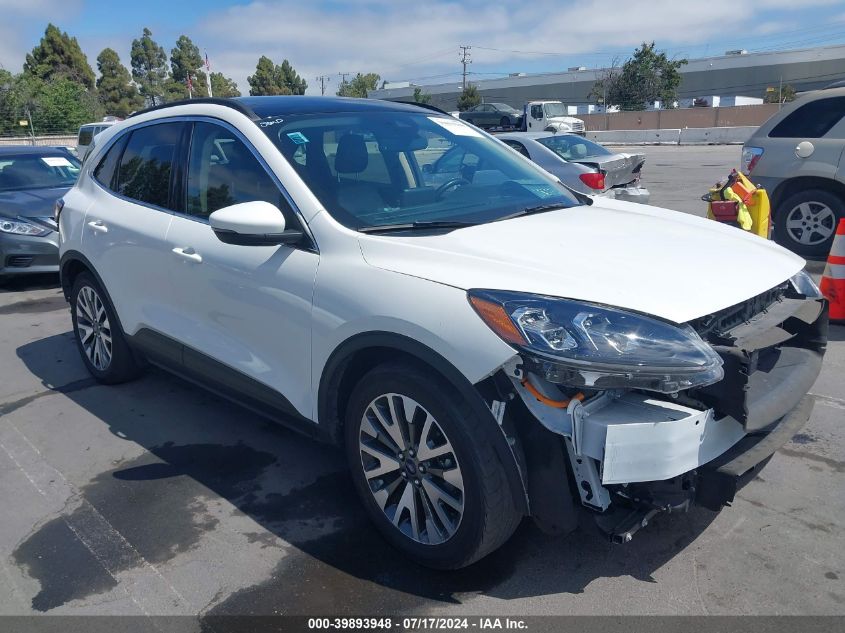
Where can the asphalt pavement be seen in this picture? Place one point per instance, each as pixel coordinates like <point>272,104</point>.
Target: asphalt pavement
<point>156,497</point>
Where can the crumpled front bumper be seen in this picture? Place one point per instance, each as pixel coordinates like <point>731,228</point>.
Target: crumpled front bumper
<point>720,479</point>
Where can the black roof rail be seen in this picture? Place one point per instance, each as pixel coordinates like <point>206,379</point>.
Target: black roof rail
<point>229,103</point>
<point>427,106</point>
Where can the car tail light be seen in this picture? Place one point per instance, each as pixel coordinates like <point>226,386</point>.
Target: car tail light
<point>750,158</point>
<point>594,180</point>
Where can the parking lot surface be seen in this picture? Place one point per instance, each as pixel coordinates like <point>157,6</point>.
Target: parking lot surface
<point>156,497</point>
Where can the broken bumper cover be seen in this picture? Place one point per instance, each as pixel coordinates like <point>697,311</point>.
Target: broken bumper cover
<point>720,479</point>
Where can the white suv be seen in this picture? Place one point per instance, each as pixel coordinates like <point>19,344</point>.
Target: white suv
<point>487,345</point>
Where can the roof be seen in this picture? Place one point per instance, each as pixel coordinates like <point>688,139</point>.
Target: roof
<point>262,107</point>
<point>38,150</point>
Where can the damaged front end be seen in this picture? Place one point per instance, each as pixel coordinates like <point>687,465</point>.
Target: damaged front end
<point>650,416</point>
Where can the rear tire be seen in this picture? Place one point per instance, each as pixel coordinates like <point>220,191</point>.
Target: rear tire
<point>806,221</point>
<point>437,490</point>
<point>98,334</point>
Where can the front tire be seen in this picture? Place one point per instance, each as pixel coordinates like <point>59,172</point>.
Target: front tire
<point>98,335</point>
<point>424,466</point>
<point>806,222</point>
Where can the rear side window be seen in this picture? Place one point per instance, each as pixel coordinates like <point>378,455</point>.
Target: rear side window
<point>812,120</point>
<point>222,171</point>
<point>146,165</point>
<point>519,147</point>
<point>85,136</point>
<point>105,171</point>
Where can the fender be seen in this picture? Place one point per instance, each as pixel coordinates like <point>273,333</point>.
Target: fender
<point>334,382</point>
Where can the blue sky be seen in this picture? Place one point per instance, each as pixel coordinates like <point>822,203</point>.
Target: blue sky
<point>418,39</point>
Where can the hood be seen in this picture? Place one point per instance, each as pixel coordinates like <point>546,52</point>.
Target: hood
<point>30,203</point>
<point>659,262</point>
<point>564,119</point>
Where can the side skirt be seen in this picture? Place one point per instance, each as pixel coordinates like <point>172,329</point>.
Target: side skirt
<point>208,373</point>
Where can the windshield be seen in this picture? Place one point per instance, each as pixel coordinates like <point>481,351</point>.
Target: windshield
<point>33,171</point>
<point>372,169</point>
<point>504,107</point>
<point>573,147</point>
<point>554,109</point>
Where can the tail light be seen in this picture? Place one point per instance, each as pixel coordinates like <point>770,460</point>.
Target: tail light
<point>594,180</point>
<point>750,158</point>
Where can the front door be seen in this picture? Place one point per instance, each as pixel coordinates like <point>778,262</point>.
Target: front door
<point>245,307</point>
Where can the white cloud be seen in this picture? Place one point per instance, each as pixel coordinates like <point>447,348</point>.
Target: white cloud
<point>17,14</point>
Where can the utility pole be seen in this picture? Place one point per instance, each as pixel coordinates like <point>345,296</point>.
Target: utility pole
<point>31,128</point>
<point>324,79</point>
<point>465,59</point>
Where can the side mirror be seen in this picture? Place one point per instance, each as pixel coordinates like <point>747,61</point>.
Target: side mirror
<point>256,223</point>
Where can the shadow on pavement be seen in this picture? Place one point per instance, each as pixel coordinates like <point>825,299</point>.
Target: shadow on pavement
<point>200,448</point>
<point>23,283</point>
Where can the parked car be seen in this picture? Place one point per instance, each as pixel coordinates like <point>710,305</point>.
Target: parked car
<point>469,343</point>
<point>797,156</point>
<point>583,165</point>
<point>31,180</point>
<point>87,133</point>
<point>486,115</point>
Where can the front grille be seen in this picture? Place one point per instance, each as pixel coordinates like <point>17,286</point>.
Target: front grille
<point>716,325</point>
<point>578,126</point>
<point>19,261</point>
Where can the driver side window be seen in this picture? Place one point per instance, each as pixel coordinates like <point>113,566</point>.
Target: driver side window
<point>223,171</point>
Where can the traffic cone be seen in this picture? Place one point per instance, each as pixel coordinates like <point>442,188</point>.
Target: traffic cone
<point>833,279</point>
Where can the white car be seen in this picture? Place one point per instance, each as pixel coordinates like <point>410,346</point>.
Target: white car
<point>486,346</point>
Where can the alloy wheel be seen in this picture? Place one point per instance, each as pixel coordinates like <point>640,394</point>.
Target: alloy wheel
<point>411,469</point>
<point>93,327</point>
<point>811,223</point>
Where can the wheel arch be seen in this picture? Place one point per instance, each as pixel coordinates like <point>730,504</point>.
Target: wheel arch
<point>802,183</point>
<point>361,352</point>
<point>73,263</point>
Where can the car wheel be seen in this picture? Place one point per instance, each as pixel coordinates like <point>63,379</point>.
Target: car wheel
<point>505,122</point>
<point>99,337</point>
<point>806,222</point>
<point>424,465</point>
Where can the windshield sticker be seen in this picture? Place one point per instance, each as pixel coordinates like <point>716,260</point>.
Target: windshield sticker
<point>56,161</point>
<point>272,122</point>
<point>456,127</point>
<point>298,138</point>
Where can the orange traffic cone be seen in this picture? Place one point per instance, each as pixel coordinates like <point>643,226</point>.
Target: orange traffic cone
<point>833,280</point>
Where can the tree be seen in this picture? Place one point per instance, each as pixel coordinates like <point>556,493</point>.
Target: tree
<point>780,95</point>
<point>56,107</point>
<point>117,94</point>
<point>469,98</point>
<point>59,55</point>
<point>222,86</point>
<point>358,86</point>
<point>149,67</point>
<point>644,78</point>
<point>270,79</point>
<point>421,97</point>
<point>186,61</point>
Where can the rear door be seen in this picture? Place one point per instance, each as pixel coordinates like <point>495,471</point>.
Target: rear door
<point>126,224</point>
<point>242,311</point>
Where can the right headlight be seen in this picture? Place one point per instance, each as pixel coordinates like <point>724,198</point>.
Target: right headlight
<point>598,347</point>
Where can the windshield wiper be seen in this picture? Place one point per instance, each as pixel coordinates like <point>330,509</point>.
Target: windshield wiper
<point>540,208</point>
<point>419,225</point>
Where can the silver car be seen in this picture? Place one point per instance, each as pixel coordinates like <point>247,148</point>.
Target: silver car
<point>582,164</point>
<point>797,156</point>
<point>31,180</point>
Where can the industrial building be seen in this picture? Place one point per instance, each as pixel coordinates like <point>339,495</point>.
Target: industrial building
<point>735,73</point>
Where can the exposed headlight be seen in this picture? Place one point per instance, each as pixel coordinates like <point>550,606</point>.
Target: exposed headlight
<point>598,347</point>
<point>564,127</point>
<point>16,227</point>
<point>804,284</point>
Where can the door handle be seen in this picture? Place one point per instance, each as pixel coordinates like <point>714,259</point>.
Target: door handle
<point>98,226</point>
<point>188,253</point>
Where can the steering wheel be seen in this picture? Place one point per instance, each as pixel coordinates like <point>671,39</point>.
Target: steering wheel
<point>452,183</point>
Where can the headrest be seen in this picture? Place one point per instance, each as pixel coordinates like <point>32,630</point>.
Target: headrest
<point>351,155</point>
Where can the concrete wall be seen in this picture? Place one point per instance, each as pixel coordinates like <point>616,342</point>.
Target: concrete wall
<point>736,116</point>
<point>65,141</point>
